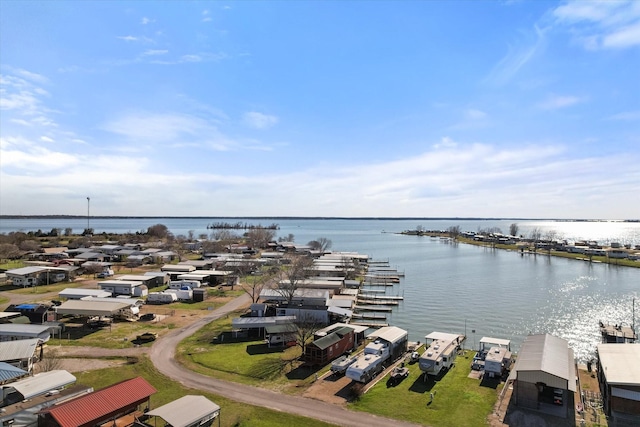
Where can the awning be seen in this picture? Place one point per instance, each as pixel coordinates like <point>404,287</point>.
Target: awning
<point>186,411</point>
<point>42,383</point>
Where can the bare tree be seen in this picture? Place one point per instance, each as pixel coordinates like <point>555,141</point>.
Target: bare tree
<point>306,327</point>
<point>321,244</point>
<point>298,269</point>
<point>50,361</point>
<point>534,236</point>
<point>255,284</point>
<point>550,236</point>
<point>513,229</point>
<point>159,231</point>
<point>9,251</point>
<point>288,238</point>
<point>350,267</point>
<point>454,231</point>
<point>260,237</point>
<point>224,235</point>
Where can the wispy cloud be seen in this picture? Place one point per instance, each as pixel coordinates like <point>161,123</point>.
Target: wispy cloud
<point>130,38</point>
<point>601,24</point>
<point>554,102</point>
<point>518,56</point>
<point>258,120</point>
<point>206,16</point>
<point>155,52</point>
<point>176,130</point>
<point>145,20</point>
<point>626,115</point>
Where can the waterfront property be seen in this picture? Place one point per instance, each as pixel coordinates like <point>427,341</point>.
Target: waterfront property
<point>329,346</point>
<point>440,353</point>
<point>544,376</point>
<point>619,378</point>
<point>187,411</point>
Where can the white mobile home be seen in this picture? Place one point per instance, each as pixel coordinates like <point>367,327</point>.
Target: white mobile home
<point>124,287</point>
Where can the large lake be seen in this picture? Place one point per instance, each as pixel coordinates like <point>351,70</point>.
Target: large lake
<point>456,287</point>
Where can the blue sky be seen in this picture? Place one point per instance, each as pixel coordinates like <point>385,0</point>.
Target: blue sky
<point>326,108</point>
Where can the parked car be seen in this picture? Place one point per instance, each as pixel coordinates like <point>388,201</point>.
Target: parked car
<point>147,337</point>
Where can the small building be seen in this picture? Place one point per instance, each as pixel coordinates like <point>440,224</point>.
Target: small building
<point>330,346</point>
<point>280,335</point>
<point>79,293</point>
<point>162,278</point>
<point>188,411</point>
<point>34,386</point>
<point>12,332</point>
<point>619,378</point>
<point>36,313</point>
<point>21,354</point>
<point>96,307</point>
<point>10,373</point>
<point>148,281</point>
<point>124,287</point>
<point>27,276</point>
<point>544,376</point>
<point>107,405</point>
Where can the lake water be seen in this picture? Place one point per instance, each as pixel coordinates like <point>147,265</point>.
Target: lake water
<point>451,287</point>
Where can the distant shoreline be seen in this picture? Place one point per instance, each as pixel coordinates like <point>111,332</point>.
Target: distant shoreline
<point>314,218</point>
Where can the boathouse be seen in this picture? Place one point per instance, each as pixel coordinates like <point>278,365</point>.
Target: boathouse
<point>544,376</point>
<point>619,378</point>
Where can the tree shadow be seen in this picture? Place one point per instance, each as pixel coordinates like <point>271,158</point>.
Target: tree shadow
<point>267,369</point>
<point>78,331</point>
<point>425,383</point>
<point>231,337</point>
<point>302,372</point>
<point>490,382</point>
<point>346,392</point>
<point>263,348</point>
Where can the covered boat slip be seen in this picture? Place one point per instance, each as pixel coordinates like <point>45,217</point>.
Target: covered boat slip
<point>186,412</point>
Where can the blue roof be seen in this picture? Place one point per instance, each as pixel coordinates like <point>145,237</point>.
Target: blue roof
<point>9,372</point>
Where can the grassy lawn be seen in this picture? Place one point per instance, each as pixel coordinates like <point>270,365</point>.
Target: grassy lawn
<point>11,264</point>
<point>214,352</point>
<point>232,414</point>
<point>458,400</point>
<point>43,289</point>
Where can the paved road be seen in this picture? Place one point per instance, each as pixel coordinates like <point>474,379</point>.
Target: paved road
<point>163,352</point>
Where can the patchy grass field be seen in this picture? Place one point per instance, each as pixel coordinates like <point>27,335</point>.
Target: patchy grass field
<point>232,414</point>
<point>458,400</point>
<point>214,351</point>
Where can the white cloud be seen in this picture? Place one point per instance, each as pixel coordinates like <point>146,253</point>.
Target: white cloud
<point>517,57</point>
<point>258,120</point>
<point>155,52</point>
<point>46,139</point>
<point>555,102</point>
<point>474,114</point>
<point>145,20</point>
<point>626,115</point>
<point>130,38</point>
<point>601,24</point>
<point>445,142</point>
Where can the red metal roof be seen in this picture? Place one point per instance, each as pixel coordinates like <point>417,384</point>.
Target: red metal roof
<point>93,406</point>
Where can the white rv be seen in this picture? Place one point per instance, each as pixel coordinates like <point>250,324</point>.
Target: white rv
<point>441,352</point>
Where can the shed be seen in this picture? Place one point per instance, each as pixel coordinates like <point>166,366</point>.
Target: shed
<point>79,293</point>
<point>544,376</point>
<point>187,411</point>
<point>619,378</point>
<point>101,406</point>
<point>330,346</point>
<point>91,308</point>
<point>36,385</point>
<point>20,353</point>
<point>12,331</point>
<point>280,334</point>
<point>9,373</point>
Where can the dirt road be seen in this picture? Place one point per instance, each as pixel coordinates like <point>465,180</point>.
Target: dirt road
<point>163,352</point>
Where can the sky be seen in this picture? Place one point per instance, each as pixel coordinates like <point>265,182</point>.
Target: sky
<point>510,109</point>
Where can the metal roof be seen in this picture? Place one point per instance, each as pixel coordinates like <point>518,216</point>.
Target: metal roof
<point>186,411</point>
<point>79,292</point>
<point>26,270</point>
<point>332,338</point>
<point>90,308</point>
<point>549,354</point>
<point>9,372</point>
<point>281,329</point>
<point>620,363</point>
<point>12,328</point>
<point>18,349</point>
<point>391,334</point>
<point>85,409</point>
<point>42,383</point>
